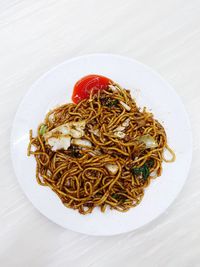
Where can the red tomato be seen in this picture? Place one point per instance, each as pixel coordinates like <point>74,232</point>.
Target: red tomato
<point>83,87</point>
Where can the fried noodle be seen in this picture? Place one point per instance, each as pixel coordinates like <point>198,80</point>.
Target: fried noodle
<point>80,175</point>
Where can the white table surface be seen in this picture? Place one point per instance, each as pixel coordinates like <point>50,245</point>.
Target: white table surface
<point>37,35</point>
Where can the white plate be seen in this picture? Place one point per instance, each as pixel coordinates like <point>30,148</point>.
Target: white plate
<point>149,89</point>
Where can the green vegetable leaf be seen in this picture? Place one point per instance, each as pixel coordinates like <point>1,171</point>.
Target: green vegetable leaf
<point>109,102</point>
<point>120,198</point>
<point>150,163</point>
<point>115,196</point>
<point>43,129</point>
<point>143,171</point>
<point>112,102</point>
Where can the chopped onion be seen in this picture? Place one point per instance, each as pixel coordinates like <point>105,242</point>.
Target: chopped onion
<point>125,105</point>
<point>60,137</point>
<point>49,173</point>
<point>119,134</point>
<point>74,129</point>
<point>51,118</point>
<point>113,88</point>
<point>75,134</point>
<point>79,125</point>
<point>153,174</point>
<point>95,132</point>
<point>120,128</point>
<point>126,123</point>
<point>59,143</point>
<point>149,141</point>
<point>81,142</point>
<point>112,168</point>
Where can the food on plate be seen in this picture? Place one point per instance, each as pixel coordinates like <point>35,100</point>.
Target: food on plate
<point>100,151</point>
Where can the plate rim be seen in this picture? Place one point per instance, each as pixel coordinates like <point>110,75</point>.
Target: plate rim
<point>71,59</point>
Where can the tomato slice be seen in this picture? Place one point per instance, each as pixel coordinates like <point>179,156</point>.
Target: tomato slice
<point>83,87</point>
